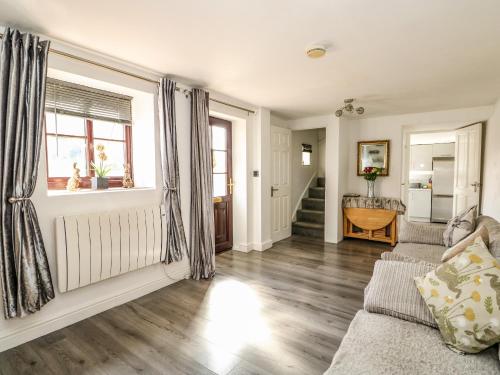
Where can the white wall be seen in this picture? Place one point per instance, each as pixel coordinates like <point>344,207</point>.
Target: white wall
<point>491,166</point>
<point>321,152</point>
<point>392,128</point>
<point>342,135</point>
<point>261,185</point>
<point>75,305</point>
<point>303,174</point>
<point>81,303</point>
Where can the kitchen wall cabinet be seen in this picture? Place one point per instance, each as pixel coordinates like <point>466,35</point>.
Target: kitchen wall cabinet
<point>421,158</point>
<point>443,150</point>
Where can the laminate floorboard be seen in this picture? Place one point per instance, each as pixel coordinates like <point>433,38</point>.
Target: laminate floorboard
<point>281,311</point>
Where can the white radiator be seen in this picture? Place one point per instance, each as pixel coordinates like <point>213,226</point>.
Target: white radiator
<point>95,247</point>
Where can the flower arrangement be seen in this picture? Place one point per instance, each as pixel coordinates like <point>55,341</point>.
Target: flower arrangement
<point>100,181</point>
<point>101,169</point>
<point>371,173</point>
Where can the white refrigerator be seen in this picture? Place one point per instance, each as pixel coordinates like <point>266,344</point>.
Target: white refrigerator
<point>442,189</point>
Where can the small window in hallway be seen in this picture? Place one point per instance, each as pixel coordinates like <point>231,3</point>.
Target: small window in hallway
<point>306,154</point>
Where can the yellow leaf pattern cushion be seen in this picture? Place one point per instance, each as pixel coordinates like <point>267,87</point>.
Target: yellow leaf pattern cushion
<point>463,295</point>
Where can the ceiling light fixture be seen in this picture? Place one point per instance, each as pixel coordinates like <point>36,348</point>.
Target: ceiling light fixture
<point>349,108</point>
<point>316,51</point>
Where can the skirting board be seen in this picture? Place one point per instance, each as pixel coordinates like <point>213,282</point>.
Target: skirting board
<point>243,247</point>
<point>43,328</point>
<point>263,245</point>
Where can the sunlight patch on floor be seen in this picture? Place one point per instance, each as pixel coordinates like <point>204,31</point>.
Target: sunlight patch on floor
<point>235,318</point>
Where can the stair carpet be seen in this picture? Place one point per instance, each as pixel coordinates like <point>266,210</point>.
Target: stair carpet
<point>311,217</point>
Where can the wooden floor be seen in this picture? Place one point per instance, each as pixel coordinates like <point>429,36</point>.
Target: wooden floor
<point>282,311</point>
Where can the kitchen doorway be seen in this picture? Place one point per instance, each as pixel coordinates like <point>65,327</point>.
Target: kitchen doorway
<point>442,173</point>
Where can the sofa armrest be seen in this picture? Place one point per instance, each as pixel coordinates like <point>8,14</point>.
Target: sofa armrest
<point>426,233</point>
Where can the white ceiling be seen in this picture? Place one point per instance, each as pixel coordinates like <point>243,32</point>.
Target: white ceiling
<point>395,56</point>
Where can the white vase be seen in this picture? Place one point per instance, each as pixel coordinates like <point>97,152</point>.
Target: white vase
<point>370,188</point>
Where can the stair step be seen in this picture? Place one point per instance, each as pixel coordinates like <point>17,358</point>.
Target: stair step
<point>320,182</point>
<point>304,224</point>
<point>317,192</point>
<point>308,229</point>
<point>316,204</point>
<point>311,216</point>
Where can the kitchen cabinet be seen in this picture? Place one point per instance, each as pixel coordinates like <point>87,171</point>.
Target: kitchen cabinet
<point>443,150</point>
<point>419,204</point>
<point>421,158</point>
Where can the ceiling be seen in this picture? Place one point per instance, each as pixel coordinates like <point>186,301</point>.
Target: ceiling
<point>394,56</point>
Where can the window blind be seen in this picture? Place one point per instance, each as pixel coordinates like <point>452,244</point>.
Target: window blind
<point>82,101</point>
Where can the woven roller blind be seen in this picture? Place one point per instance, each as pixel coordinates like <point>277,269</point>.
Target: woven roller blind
<point>82,101</point>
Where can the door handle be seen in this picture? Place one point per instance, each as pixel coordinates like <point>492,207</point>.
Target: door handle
<point>476,185</point>
<point>273,190</point>
<point>230,185</point>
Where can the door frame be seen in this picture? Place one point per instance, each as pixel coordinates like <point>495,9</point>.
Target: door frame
<point>288,216</point>
<point>405,165</point>
<point>406,143</point>
<point>228,199</point>
<point>479,188</point>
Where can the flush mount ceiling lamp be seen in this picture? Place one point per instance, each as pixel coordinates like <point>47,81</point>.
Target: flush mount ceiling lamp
<point>316,51</point>
<point>349,108</point>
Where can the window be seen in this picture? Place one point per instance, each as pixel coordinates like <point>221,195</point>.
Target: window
<point>78,119</point>
<point>221,157</point>
<point>306,154</point>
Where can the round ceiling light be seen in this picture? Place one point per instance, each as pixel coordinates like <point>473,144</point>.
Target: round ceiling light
<point>316,51</point>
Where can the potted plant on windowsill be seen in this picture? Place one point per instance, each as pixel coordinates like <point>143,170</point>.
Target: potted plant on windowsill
<point>370,175</point>
<point>100,181</point>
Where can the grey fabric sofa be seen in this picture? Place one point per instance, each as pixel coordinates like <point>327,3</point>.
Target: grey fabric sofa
<point>378,344</point>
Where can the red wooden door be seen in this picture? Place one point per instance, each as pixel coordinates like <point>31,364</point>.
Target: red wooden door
<point>222,183</point>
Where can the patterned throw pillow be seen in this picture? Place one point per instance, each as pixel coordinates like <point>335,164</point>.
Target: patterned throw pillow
<point>460,226</point>
<point>463,295</point>
<point>465,243</point>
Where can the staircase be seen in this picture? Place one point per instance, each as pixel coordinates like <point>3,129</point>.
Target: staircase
<point>311,218</point>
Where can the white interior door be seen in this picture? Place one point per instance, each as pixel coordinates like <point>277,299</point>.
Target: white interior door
<point>280,183</point>
<point>467,186</point>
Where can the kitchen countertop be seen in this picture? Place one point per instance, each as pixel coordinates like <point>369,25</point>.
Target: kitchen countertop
<point>420,189</point>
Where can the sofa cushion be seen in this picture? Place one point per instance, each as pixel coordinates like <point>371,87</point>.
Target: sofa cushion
<point>381,345</point>
<point>390,255</point>
<point>465,243</point>
<point>421,252</point>
<point>464,297</point>
<point>410,232</point>
<point>392,291</point>
<point>493,227</point>
<point>460,226</point>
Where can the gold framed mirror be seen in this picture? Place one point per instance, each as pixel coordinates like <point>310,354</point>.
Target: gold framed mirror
<point>374,154</point>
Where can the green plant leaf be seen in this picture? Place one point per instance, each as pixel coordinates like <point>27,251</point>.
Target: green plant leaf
<point>488,304</point>
<point>463,278</point>
<point>434,282</point>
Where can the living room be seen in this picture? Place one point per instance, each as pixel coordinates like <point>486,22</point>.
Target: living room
<point>218,190</point>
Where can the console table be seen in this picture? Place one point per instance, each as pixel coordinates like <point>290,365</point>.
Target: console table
<point>373,219</point>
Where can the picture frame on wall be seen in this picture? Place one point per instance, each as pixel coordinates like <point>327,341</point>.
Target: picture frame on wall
<point>374,154</point>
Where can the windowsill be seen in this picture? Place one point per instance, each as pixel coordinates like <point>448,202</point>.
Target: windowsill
<point>57,193</point>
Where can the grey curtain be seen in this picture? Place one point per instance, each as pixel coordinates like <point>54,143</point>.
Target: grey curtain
<point>176,238</point>
<point>202,241</point>
<point>24,270</point>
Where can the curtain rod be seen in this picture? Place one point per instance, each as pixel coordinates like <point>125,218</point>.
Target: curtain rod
<point>124,72</point>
